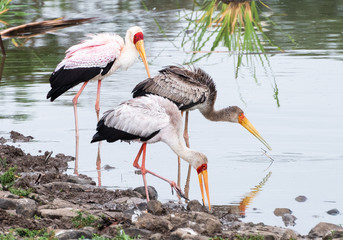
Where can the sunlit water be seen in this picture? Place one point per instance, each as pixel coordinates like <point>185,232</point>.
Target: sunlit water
<point>302,122</point>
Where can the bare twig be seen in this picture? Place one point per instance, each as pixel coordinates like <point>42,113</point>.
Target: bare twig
<point>48,156</point>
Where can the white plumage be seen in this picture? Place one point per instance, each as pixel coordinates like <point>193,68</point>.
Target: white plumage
<point>95,59</point>
<point>142,116</point>
<point>150,119</point>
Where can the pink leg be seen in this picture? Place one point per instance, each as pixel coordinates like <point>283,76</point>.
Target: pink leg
<point>97,104</point>
<point>75,108</point>
<point>142,168</point>
<point>144,171</point>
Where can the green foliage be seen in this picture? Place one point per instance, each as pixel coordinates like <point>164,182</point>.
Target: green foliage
<point>84,219</point>
<point>28,234</point>
<point>4,6</point>
<point>121,235</point>
<point>9,236</point>
<point>7,179</point>
<point>3,163</point>
<point>21,192</point>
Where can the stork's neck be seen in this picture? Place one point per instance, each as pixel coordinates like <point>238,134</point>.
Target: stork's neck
<point>213,115</point>
<point>128,55</point>
<point>194,158</point>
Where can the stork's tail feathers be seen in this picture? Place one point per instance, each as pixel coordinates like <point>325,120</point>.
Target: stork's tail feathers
<point>97,138</point>
<point>139,90</point>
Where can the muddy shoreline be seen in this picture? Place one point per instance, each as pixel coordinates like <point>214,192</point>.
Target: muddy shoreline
<point>59,202</point>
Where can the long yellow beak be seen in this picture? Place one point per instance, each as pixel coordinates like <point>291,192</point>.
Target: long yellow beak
<point>247,124</point>
<point>141,51</point>
<point>202,174</point>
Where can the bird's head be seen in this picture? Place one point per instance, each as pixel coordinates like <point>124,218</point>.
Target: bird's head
<point>136,37</point>
<point>200,164</point>
<point>235,114</point>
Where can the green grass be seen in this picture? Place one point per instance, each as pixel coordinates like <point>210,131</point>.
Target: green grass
<point>7,179</point>
<point>20,192</point>
<point>84,219</point>
<point>28,234</point>
<point>3,163</point>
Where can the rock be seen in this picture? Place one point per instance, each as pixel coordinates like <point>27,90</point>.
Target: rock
<point>129,200</point>
<point>2,140</point>
<point>8,204</point>
<point>195,205</point>
<point>337,234</point>
<point>73,234</point>
<point>281,211</point>
<point>289,234</point>
<point>156,236</point>
<point>26,207</point>
<point>183,233</point>
<point>108,167</point>
<point>136,232</point>
<point>153,223</point>
<point>155,207</point>
<point>132,214</point>
<point>213,226</point>
<point>289,219</point>
<point>322,229</point>
<point>78,180</point>
<point>60,203</point>
<point>333,212</point>
<point>59,213</point>
<point>151,190</point>
<point>301,198</point>
<point>18,137</point>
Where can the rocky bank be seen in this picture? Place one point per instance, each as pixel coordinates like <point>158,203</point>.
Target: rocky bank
<point>72,207</point>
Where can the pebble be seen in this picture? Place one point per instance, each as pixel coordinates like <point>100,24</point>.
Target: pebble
<point>8,204</point>
<point>333,212</point>
<point>281,211</point>
<point>289,219</point>
<point>73,234</point>
<point>195,205</point>
<point>301,198</point>
<point>151,190</point>
<point>78,180</point>
<point>26,207</point>
<point>153,223</point>
<point>155,207</point>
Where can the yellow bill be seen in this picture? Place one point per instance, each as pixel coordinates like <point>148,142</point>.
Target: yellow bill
<point>202,174</point>
<point>247,124</point>
<point>141,51</point>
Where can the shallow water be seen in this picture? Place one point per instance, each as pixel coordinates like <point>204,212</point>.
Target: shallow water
<point>295,102</point>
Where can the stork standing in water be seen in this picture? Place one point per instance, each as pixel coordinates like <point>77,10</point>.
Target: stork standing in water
<point>150,119</point>
<point>95,59</point>
<point>192,89</point>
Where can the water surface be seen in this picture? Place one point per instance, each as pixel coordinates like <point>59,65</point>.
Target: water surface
<point>295,102</point>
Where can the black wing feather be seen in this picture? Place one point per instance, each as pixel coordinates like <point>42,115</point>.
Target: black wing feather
<point>65,79</point>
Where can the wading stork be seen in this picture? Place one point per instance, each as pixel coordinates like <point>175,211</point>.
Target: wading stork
<point>151,119</point>
<point>95,59</point>
<point>192,89</point>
